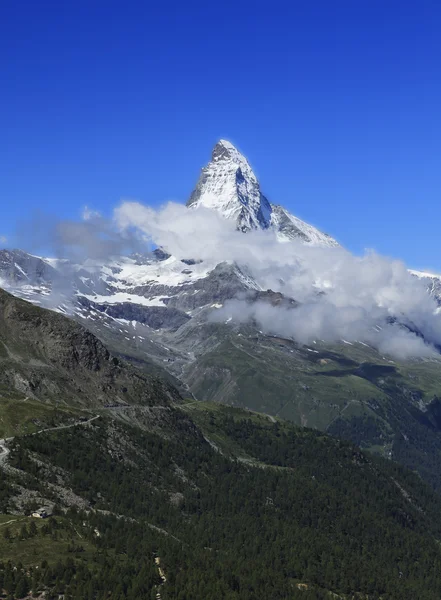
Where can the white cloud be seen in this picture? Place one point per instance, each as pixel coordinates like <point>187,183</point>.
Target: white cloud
<point>89,214</point>
<point>341,295</point>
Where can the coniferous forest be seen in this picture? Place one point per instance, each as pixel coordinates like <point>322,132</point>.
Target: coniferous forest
<point>271,511</point>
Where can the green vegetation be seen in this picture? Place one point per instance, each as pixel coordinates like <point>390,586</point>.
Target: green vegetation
<point>19,416</point>
<point>26,539</point>
<point>309,387</point>
<point>70,555</point>
<point>212,502</point>
<point>314,511</point>
<point>348,391</point>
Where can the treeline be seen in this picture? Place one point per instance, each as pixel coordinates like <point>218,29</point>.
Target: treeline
<point>5,493</point>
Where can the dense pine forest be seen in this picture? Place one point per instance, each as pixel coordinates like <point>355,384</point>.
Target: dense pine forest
<point>265,510</point>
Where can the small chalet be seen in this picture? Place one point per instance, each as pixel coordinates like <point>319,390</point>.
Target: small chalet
<point>42,513</point>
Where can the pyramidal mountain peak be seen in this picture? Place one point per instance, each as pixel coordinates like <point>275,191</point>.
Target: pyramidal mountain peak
<point>229,185</point>
<point>225,150</point>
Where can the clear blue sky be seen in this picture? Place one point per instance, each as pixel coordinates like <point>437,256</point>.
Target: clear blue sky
<point>337,104</point>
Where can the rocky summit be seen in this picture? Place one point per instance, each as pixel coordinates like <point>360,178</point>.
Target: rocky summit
<point>229,185</point>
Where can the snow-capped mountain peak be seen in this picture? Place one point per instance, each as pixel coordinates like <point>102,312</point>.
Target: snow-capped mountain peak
<point>229,185</point>
<point>225,150</point>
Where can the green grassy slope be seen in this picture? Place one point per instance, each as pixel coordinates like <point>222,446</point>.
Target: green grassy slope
<point>21,415</point>
<point>52,539</point>
<point>347,390</point>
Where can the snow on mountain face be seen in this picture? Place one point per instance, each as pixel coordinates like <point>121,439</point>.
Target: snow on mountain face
<point>228,184</point>
<point>22,267</point>
<point>288,227</point>
<point>150,281</point>
<point>432,281</point>
<point>157,290</point>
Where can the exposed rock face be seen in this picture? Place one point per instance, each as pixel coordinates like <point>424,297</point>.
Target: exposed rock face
<point>20,267</point>
<point>156,317</point>
<point>228,185</point>
<point>224,282</point>
<point>50,357</point>
<point>289,227</point>
<point>272,298</point>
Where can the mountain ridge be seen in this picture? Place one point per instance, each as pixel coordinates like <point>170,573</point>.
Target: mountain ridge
<point>45,356</point>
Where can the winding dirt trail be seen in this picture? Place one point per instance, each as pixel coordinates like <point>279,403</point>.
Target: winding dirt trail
<point>4,450</point>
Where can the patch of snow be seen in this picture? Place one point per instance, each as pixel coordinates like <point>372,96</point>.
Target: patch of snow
<point>21,270</point>
<point>119,297</point>
<point>424,274</point>
<point>288,227</point>
<point>167,272</point>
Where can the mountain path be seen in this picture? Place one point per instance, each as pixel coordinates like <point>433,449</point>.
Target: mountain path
<point>4,450</point>
<point>11,521</point>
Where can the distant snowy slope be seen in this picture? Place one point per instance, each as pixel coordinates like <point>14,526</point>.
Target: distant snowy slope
<point>288,227</point>
<point>432,281</point>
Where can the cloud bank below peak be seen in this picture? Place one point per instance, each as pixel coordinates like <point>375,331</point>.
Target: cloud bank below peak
<point>368,298</point>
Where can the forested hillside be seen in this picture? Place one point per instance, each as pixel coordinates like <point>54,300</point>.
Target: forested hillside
<point>154,496</point>
<point>274,511</point>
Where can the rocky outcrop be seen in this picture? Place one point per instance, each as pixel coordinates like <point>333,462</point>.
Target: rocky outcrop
<point>45,355</point>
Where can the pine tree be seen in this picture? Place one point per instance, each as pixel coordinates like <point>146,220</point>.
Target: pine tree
<point>22,588</point>
<point>24,532</point>
<point>35,581</point>
<point>33,529</point>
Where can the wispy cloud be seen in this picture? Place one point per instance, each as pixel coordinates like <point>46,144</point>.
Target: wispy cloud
<point>92,237</point>
<point>90,214</point>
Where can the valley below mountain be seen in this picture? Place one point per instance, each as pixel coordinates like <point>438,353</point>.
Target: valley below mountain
<point>228,502</point>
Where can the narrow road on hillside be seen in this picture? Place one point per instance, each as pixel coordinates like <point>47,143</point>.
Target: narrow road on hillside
<point>65,426</point>
<point>4,450</point>
<point>118,407</point>
<point>12,521</point>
